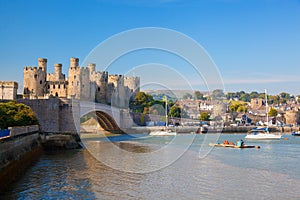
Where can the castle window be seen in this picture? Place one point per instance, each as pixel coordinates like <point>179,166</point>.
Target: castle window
<point>99,89</point>
<point>48,86</point>
<point>35,76</point>
<point>58,86</point>
<point>41,81</point>
<point>53,86</point>
<point>64,86</point>
<point>56,94</point>
<point>74,76</point>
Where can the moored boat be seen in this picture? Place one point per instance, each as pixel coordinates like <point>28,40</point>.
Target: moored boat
<point>263,133</point>
<point>234,146</point>
<point>296,133</point>
<point>165,131</point>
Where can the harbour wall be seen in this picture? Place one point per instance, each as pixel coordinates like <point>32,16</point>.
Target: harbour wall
<point>17,152</point>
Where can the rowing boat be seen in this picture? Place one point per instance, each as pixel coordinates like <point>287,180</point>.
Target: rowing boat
<point>233,146</point>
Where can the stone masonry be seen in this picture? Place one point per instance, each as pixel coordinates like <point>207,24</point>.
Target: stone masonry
<point>8,90</point>
<point>84,83</point>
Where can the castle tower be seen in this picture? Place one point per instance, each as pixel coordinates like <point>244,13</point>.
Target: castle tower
<point>42,63</point>
<point>92,67</point>
<point>74,83</point>
<point>58,75</point>
<point>42,74</point>
<point>74,62</point>
<point>57,70</point>
<point>35,80</point>
<point>100,90</point>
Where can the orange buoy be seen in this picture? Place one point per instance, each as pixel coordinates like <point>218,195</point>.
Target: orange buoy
<point>286,138</point>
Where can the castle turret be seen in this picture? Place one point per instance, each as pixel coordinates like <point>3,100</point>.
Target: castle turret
<point>92,67</point>
<point>74,79</point>
<point>58,72</point>
<point>42,63</point>
<point>74,62</point>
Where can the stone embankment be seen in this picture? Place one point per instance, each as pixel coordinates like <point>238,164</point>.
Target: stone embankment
<point>57,141</point>
<point>23,145</point>
<point>18,151</point>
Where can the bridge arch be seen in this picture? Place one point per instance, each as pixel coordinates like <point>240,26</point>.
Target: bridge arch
<point>106,121</point>
<point>107,117</point>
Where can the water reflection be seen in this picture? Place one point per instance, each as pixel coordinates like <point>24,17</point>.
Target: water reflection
<point>225,173</point>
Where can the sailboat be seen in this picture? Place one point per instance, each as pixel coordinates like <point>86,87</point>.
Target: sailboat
<point>263,133</point>
<point>164,132</point>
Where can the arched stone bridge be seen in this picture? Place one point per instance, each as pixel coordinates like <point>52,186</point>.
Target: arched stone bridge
<point>63,115</point>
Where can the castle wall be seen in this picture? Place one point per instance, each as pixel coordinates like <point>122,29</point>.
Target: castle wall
<point>83,83</point>
<point>8,90</point>
<point>133,83</point>
<point>85,87</point>
<point>57,75</point>
<point>57,88</point>
<point>257,103</point>
<point>101,86</point>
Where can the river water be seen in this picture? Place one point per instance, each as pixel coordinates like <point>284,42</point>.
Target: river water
<point>271,172</point>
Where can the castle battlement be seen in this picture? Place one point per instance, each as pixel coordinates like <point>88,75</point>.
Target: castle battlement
<point>27,68</point>
<point>81,82</point>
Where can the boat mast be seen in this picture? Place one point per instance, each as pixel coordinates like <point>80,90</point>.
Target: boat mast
<point>166,109</point>
<point>267,109</point>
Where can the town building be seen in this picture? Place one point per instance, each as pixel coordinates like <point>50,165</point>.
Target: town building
<point>8,90</point>
<point>84,83</point>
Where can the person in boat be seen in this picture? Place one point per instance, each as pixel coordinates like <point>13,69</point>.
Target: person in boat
<point>240,143</point>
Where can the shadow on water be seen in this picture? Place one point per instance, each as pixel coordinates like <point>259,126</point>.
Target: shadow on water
<point>56,174</point>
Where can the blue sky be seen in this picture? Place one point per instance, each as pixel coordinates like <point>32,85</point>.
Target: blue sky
<point>254,43</point>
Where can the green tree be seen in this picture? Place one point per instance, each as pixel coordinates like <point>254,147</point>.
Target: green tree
<point>140,101</point>
<point>253,95</point>
<point>273,112</point>
<point>204,116</point>
<point>176,111</point>
<point>198,95</point>
<point>261,95</point>
<point>16,114</point>
<point>217,94</point>
<point>245,97</point>
<point>284,95</point>
<point>242,109</point>
<point>237,106</point>
<point>273,99</point>
<point>187,96</point>
<point>230,95</point>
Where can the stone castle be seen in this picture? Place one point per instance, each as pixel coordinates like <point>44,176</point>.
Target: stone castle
<point>84,83</point>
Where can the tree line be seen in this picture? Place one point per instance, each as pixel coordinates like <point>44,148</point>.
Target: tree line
<point>281,98</point>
